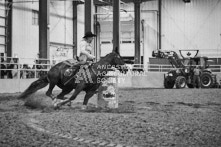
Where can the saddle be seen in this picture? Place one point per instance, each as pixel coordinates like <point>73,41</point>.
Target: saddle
<point>74,67</point>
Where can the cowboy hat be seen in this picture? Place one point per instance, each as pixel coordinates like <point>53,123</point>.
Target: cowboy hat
<point>89,34</point>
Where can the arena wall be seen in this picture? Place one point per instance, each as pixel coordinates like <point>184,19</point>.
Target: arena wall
<point>25,40</point>
<point>194,25</point>
<point>149,80</point>
<point>16,85</point>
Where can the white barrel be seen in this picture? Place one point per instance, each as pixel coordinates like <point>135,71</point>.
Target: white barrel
<point>108,92</point>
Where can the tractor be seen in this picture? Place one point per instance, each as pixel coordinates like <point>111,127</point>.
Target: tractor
<point>182,74</point>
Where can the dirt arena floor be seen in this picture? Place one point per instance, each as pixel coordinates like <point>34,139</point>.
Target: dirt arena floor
<point>145,117</point>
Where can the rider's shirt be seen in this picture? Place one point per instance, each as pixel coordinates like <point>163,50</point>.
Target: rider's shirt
<point>86,50</point>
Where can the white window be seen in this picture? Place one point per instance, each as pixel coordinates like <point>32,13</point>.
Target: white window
<point>35,17</point>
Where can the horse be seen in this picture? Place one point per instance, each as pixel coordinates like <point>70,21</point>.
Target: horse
<point>83,79</point>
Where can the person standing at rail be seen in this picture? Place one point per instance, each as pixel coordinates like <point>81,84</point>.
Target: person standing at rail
<point>2,67</point>
<point>196,77</point>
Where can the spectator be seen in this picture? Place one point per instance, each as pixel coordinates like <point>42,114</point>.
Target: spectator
<point>33,72</point>
<point>24,71</point>
<point>10,67</point>
<point>2,66</point>
<point>40,69</point>
<point>196,77</point>
<point>28,71</point>
<point>14,71</point>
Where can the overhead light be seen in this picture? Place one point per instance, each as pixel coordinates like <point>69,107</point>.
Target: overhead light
<point>186,1</point>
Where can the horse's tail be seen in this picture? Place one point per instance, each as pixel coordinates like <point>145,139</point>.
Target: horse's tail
<point>35,86</point>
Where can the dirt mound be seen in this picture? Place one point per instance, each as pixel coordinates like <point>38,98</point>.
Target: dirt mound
<point>38,102</point>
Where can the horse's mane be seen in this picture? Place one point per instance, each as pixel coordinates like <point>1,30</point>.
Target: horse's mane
<point>114,52</point>
<point>106,57</point>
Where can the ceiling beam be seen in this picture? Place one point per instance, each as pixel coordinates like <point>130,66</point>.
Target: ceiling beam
<point>110,2</point>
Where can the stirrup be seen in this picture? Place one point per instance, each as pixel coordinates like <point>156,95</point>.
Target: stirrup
<point>68,72</point>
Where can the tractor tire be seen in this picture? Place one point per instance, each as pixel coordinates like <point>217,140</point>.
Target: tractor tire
<point>180,82</point>
<point>206,80</point>
<point>168,84</point>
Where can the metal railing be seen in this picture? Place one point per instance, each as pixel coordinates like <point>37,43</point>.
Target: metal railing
<point>165,68</point>
<point>12,73</point>
<point>44,65</point>
<point>13,69</point>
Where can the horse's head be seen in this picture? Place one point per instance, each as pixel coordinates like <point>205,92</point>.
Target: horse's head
<point>118,61</point>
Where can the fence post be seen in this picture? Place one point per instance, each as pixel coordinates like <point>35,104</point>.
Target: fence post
<point>0,66</point>
<point>35,71</point>
<point>18,70</point>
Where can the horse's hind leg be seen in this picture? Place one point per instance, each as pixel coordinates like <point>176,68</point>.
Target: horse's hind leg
<point>49,92</point>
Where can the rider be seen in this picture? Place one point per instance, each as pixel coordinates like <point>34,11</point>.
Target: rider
<point>86,48</point>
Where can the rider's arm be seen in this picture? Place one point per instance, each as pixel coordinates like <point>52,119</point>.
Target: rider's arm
<point>88,55</point>
<point>83,48</point>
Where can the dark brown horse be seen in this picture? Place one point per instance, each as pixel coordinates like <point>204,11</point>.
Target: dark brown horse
<point>84,79</point>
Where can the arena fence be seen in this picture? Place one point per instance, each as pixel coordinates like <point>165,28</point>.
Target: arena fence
<point>165,68</point>
<point>20,77</point>
<point>13,68</point>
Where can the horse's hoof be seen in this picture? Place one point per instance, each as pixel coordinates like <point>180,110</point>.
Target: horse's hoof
<point>69,104</point>
<point>55,101</point>
<point>56,106</point>
<point>53,97</point>
<point>84,107</point>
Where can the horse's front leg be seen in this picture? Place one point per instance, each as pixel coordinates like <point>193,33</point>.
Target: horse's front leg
<point>61,95</point>
<point>88,95</point>
<point>78,89</point>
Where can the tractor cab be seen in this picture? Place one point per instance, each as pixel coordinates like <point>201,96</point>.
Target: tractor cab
<point>197,61</point>
<point>201,61</point>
